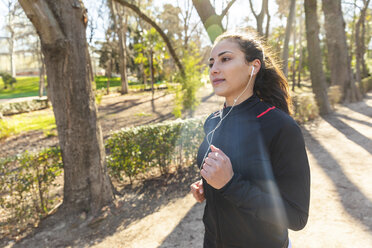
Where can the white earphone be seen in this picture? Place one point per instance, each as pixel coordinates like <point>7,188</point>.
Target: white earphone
<point>222,118</point>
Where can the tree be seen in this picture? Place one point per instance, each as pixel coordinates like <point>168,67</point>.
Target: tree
<point>292,11</point>
<point>120,27</point>
<point>61,27</point>
<point>211,21</point>
<point>338,57</point>
<point>260,17</point>
<point>315,57</point>
<point>144,17</point>
<point>361,68</point>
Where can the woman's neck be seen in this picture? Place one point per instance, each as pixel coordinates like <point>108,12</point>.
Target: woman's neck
<point>229,101</point>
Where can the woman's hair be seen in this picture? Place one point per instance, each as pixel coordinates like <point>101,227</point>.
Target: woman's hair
<point>271,85</point>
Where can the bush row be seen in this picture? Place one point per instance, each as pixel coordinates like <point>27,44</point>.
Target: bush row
<point>12,108</point>
<point>26,180</point>
<point>25,184</point>
<point>132,151</point>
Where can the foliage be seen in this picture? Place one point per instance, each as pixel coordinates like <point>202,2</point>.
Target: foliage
<point>7,80</point>
<point>25,185</point>
<point>367,84</point>
<point>152,43</point>
<point>12,108</point>
<point>190,83</point>
<point>133,151</point>
<point>305,107</point>
<point>334,94</point>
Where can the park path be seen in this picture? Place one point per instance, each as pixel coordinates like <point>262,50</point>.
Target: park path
<point>339,147</point>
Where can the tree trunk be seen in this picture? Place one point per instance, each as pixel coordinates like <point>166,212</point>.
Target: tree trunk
<point>360,44</point>
<point>300,59</point>
<point>121,30</point>
<point>288,30</point>
<point>211,21</point>
<point>41,76</point>
<point>61,27</point>
<point>294,56</point>
<point>315,57</point>
<point>337,50</point>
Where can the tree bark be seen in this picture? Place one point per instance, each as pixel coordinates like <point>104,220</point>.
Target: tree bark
<point>61,26</point>
<point>211,21</point>
<point>147,19</point>
<point>121,30</point>
<point>288,30</point>
<point>338,51</point>
<point>315,57</point>
<point>360,44</point>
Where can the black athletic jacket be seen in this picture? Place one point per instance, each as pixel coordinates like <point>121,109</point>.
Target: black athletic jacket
<point>270,189</point>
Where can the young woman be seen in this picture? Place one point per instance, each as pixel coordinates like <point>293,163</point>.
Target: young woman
<point>253,163</point>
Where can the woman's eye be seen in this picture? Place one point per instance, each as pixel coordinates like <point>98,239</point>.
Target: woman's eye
<point>224,59</point>
<point>210,65</point>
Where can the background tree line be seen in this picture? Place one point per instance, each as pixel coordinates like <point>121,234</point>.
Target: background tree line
<point>317,39</point>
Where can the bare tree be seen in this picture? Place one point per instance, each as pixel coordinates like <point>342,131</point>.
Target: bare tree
<point>211,21</point>
<point>61,27</point>
<point>338,57</point>
<point>261,16</point>
<point>315,57</point>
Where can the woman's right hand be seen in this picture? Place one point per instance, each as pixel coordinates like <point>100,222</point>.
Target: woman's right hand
<point>197,190</point>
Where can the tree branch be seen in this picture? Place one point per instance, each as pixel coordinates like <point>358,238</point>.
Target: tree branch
<point>43,19</point>
<point>254,13</point>
<point>157,28</point>
<point>227,8</point>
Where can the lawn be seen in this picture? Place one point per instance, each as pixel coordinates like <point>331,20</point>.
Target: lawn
<point>29,86</point>
<point>17,124</point>
<point>24,87</point>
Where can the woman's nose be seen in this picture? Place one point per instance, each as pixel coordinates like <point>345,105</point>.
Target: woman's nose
<point>214,69</point>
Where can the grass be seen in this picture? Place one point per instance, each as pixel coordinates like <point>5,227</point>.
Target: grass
<point>25,122</point>
<point>24,87</point>
<point>29,86</point>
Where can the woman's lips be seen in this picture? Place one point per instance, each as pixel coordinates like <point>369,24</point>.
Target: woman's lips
<point>217,81</point>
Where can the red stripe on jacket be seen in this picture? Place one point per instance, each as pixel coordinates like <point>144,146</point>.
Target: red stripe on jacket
<point>265,112</point>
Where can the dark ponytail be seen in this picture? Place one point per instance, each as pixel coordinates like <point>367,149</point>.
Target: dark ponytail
<point>271,86</point>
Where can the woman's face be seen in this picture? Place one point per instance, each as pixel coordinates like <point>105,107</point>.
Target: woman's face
<point>229,72</point>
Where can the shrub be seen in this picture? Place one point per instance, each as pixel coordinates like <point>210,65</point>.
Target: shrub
<point>367,84</point>
<point>25,183</point>
<point>12,108</point>
<point>334,94</point>
<point>8,80</point>
<point>133,151</point>
<point>305,107</point>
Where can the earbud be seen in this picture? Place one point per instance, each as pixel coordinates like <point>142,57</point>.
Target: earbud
<point>252,71</point>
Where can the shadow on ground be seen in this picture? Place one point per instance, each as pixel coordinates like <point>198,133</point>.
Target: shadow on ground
<point>138,201</point>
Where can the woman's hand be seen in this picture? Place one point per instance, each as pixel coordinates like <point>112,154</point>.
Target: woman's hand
<point>197,190</point>
<point>217,169</point>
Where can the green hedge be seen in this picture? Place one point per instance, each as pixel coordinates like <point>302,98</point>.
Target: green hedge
<point>12,108</point>
<point>25,182</point>
<point>367,84</point>
<point>132,151</point>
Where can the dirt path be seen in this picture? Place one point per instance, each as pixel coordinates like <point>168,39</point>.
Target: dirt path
<point>161,213</point>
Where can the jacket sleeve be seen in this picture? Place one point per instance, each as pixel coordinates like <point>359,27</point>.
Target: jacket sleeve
<point>284,197</point>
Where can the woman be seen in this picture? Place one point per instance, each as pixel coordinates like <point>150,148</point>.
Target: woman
<point>253,163</point>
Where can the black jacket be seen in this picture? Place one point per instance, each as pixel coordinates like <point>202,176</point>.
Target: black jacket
<point>270,189</point>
